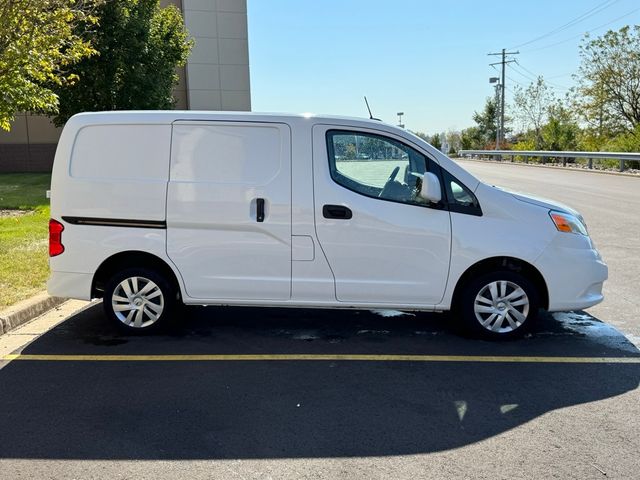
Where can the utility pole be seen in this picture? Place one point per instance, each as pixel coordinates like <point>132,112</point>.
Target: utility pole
<point>504,62</point>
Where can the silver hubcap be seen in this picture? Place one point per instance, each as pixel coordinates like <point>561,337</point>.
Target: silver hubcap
<point>501,306</point>
<point>137,302</point>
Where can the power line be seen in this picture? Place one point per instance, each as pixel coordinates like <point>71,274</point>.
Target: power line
<point>523,74</point>
<point>584,33</point>
<point>516,82</point>
<point>557,86</point>
<point>561,75</point>
<point>581,18</point>
<point>559,89</point>
<point>509,90</point>
<point>597,9</point>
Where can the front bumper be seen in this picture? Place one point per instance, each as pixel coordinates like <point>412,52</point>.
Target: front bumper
<point>574,277</point>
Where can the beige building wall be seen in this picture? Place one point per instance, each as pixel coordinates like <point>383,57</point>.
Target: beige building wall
<point>29,146</point>
<point>216,77</point>
<point>218,68</point>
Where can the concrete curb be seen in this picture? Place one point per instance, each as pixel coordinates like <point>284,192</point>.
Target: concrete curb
<point>27,310</point>
<point>552,167</point>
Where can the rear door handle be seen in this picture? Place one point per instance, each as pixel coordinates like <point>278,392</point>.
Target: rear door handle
<point>339,212</point>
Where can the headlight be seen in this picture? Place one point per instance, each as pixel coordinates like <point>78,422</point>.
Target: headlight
<point>565,222</point>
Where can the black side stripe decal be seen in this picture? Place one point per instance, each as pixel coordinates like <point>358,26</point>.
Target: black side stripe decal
<point>115,222</point>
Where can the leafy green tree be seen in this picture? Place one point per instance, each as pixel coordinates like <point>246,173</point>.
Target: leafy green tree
<point>487,124</point>
<point>435,141</point>
<point>471,139</point>
<point>532,106</point>
<point>608,92</point>
<point>139,47</point>
<point>524,142</point>
<point>39,42</point>
<point>625,142</point>
<point>561,132</point>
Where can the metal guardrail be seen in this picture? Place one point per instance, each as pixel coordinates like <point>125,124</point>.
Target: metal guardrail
<point>622,157</point>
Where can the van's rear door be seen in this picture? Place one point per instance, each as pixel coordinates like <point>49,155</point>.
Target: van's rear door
<point>229,209</point>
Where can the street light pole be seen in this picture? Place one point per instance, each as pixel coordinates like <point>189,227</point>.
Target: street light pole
<point>496,80</point>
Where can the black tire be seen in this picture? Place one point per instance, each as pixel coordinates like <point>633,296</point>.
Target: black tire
<point>162,301</point>
<point>523,318</point>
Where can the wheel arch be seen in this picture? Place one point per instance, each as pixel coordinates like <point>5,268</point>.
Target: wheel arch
<point>128,259</point>
<point>503,263</point>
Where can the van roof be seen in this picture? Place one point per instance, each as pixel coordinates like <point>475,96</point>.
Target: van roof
<point>169,116</point>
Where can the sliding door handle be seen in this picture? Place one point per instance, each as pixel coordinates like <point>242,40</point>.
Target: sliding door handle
<point>339,212</point>
<point>259,209</point>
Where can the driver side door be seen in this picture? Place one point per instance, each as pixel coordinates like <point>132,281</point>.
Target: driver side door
<point>385,244</point>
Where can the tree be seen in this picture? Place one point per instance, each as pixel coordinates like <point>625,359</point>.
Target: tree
<point>139,47</point>
<point>532,108</point>
<point>561,132</point>
<point>454,140</point>
<point>471,139</point>
<point>39,42</point>
<point>625,142</point>
<point>434,140</point>
<point>487,124</point>
<point>608,92</point>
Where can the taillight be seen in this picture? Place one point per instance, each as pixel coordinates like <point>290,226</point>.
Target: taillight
<point>55,238</point>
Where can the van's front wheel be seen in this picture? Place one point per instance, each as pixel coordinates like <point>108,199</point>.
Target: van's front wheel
<point>501,304</point>
<point>138,299</point>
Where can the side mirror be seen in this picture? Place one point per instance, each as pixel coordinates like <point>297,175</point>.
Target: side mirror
<point>430,189</point>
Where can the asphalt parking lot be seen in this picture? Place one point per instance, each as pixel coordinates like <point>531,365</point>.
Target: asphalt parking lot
<point>294,393</point>
<point>169,416</point>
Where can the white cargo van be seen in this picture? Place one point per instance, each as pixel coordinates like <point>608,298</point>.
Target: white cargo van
<point>150,209</point>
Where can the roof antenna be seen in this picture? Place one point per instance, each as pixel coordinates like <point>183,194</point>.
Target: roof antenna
<point>371,117</point>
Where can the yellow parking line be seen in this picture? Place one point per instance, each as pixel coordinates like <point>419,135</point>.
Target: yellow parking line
<point>317,357</point>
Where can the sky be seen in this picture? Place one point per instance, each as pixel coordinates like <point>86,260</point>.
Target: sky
<point>427,59</point>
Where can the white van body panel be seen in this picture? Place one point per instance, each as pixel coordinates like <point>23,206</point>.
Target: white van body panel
<point>107,166</point>
<point>406,260</point>
<point>98,244</point>
<point>195,212</point>
<point>495,228</point>
<point>219,170</point>
<point>312,280</point>
<point>119,171</point>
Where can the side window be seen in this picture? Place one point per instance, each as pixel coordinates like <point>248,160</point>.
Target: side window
<point>459,198</point>
<point>376,166</point>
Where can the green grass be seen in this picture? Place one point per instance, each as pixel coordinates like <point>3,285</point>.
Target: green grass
<point>24,266</point>
<point>24,191</point>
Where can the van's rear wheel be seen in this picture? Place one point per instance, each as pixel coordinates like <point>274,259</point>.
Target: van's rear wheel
<point>501,304</point>
<point>138,299</point>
